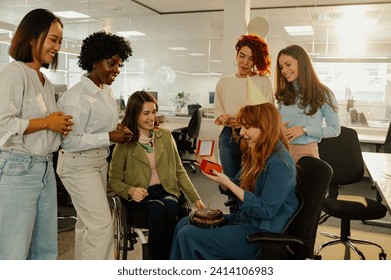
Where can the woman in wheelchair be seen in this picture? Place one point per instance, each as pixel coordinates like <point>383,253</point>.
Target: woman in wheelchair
<point>266,193</point>
<point>148,173</point>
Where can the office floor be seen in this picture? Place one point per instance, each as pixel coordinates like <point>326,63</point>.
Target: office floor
<point>212,198</point>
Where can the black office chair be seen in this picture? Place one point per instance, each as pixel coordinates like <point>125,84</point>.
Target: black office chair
<point>343,154</point>
<point>298,239</point>
<point>186,139</point>
<point>387,142</point>
<point>191,108</point>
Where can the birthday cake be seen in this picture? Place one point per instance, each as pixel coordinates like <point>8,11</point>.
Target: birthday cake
<point>208,218</point>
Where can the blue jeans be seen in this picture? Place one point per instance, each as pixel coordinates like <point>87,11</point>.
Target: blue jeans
<point>230,157</point>
<point>230,154</point>
<point>28,207</point>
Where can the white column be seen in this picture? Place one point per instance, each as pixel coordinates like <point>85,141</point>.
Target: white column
<point>236,18</point>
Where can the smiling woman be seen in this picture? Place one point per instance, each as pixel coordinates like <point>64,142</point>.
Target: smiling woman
<point>148,174</point>
<point>82,164</point>
<point>304,103</point>
<point>30,130</point>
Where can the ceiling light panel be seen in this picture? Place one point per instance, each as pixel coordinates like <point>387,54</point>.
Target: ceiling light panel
<point>302,30</point>
<point>70,14</point>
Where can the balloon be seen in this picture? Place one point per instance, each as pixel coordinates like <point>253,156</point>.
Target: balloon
<point>259,26</point>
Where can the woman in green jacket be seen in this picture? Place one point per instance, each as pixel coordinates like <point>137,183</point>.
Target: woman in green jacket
<point>148,173</point>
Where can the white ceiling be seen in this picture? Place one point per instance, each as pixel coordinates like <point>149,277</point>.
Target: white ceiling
<point>198,25</point>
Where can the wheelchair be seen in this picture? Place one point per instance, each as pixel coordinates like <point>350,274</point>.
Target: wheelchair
<point>131,228</point>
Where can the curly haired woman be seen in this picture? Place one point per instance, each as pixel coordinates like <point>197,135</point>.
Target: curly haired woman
<point>82,162</point>
<point>252,59</point>
<point>305,104</point>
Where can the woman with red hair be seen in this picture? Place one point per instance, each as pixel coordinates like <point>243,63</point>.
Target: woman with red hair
<point>253,60</point>
<point>265,190</point>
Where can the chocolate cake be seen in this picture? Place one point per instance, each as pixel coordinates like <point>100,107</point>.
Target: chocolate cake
<point>208,218</point>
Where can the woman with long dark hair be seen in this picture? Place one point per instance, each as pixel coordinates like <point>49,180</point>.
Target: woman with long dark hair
<point>308,108</point>
<point>147,172</point>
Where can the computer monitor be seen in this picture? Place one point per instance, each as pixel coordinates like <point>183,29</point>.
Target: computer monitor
<point>154,94</point>
<point>211,97</point>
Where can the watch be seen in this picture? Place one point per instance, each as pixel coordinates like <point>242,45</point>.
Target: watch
<point>305,130</point>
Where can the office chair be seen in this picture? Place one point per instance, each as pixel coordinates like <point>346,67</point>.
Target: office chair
<point>186,139</point>
<point>343,154</point>
<point>191,108</point>
<point>298,238</point>
<point>387,142</point>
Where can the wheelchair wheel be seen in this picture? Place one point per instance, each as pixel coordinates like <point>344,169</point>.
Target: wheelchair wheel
<point>121,239</point>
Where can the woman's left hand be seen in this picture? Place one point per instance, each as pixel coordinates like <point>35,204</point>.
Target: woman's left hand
<point>293,132</point>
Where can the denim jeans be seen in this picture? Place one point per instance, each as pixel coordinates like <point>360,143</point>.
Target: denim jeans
<point>28,207</point>
<point>230,154</point>
<point>230,157</point>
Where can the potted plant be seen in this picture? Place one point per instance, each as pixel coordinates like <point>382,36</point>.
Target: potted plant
<point>180,100</point>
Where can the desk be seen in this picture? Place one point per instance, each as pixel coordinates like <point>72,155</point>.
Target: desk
<point>173,125</point>
<point>377,140</point>
<point>379,169</point>
<point>371,135</point>
<point>372,139</point>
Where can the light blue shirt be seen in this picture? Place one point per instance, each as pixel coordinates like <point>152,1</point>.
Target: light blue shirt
<point>324,123</point>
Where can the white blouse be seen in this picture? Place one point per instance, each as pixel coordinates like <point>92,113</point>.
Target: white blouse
<point>23,97</point>
<point>95,114</point>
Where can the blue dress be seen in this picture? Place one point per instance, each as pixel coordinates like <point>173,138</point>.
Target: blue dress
<point>268,208</point>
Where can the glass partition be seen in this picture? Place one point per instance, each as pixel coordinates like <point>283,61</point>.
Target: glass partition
<point>183,51</point>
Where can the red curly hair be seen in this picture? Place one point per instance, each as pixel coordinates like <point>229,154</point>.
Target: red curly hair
<point>260,51</point>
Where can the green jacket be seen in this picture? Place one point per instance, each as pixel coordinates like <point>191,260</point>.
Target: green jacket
<point>130,167</point>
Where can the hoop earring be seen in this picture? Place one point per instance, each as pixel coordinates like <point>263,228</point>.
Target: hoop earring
<point>235,62</point>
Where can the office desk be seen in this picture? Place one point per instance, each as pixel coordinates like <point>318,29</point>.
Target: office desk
<point>379,169</point>
<point>371,135</point>
<point>377,140</point>
<point>173,125</point>
<point>372,139</point>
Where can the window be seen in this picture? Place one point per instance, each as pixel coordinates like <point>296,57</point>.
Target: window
<point>358,80</point>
